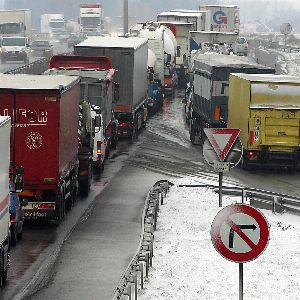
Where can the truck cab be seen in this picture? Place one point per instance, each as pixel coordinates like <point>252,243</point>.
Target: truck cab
<point>14,48</point>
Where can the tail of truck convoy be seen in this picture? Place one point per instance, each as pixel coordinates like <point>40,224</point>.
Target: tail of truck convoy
<point>45,141</point>
<point>266,108</point>
<point>4,196</point>
<point>91,18</point>
<point>129,56</point>
<point>97,97</point>
<point>210,83</point>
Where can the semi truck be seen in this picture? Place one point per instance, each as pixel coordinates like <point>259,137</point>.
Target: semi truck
<point>129,56</point>
<point>162,44</point>
<point>210,81</point>
<point>266,108</point>
<point>223,18</point>
<point>91,18</point>
<point>4,196</point>
<point>15,22</point>
<point>48,141</point>
<point>53,25</point>
<point>97,96</point>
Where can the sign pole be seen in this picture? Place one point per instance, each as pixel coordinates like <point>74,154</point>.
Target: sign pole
<point>241,280</point>
<point>220,188</point>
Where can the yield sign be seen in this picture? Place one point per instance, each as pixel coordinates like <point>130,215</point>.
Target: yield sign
<point>222,140</point>
<point>240,233</point>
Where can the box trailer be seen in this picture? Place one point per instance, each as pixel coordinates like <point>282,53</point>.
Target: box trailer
<point>210,83</point>
<point>44,112</point>
<point>266,108</point>
<point>15,22</point>
<point>129,56</point>
<point>5,126</point>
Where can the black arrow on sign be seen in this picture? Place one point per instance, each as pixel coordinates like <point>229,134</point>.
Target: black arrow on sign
<point>231,232</point>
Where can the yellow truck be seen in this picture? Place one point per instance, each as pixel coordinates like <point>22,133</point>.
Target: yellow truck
<point>266,108</point>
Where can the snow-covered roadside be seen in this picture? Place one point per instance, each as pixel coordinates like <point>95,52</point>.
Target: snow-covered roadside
<point>186,265</point>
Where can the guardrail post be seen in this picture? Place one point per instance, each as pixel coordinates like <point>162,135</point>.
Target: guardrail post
<point>276,202</point>
<point>127,291</point>
<point>144,256</point>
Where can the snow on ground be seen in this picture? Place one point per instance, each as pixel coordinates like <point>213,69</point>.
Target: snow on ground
<point>187,267</point>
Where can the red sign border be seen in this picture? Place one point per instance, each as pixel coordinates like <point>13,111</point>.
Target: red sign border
<point>218,243</point>
<point>234,134</point>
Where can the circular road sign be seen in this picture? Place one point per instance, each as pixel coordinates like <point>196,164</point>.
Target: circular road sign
<point>240,233</point>
<point>286,28</point>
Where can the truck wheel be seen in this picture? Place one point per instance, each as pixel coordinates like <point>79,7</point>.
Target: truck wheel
<point>84,188</point>
<point>244,163</point>
<point>114,143</point>
<point>13,236</point>
<point>192,134</point>
<point>97,168</point>
<point>60,208</point>
<point>20,235</point>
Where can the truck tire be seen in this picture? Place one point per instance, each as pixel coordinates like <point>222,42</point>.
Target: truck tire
<point>97,168</point>
<point>244,162</point>
<point>192,133</point>
<point>3,273</point>
<point>13,236</point>
<point>60,208</point>
<point>114,143</point>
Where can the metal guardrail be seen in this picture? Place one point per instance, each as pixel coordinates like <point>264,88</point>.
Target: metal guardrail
<point>277,202</point>
<point>137,271</point>
<point>35,68</point>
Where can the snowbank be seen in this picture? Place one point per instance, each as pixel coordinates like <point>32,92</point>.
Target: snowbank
<point>186,265</point>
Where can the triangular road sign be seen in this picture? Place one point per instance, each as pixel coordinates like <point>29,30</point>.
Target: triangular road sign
<point>222,140</point>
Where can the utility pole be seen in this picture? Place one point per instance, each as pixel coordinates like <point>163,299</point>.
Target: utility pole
<point>125,17</point>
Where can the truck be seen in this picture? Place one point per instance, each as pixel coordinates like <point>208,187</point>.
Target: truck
<point>91,18</point>
<point>210,81</point>
<point>162,44</point>
<point>97,96</point>
<point>269,120</point>
<point>48,141</point>
<point>223,18</point>
<point>129,56</point>
<point>53,25</point>
<point>15,48</point>
<point>15,22</point>
<point>4,196</point>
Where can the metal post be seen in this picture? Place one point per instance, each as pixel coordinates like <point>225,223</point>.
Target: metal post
<point>241,279</point>
<point>220,188</point>
<point>125,17</point>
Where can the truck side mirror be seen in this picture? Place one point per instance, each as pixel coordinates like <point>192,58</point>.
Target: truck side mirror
<point>178,51</point>
<point>116,91</point>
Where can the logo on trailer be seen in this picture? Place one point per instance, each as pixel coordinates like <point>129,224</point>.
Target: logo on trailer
<point>220,17</point>
<point>34,140</point>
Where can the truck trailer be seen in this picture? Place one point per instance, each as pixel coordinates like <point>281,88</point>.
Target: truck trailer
<point>4,196</point>
<point>97,96</point>
<point>45,141</point>
<point>15,22</point>
<point>223,18</point>
<point>129,56</point>
<point>210,81</point>
<point>266,108</point>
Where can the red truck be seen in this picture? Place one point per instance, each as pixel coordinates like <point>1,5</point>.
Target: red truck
<point>98,93</point>
<point>45,141</point>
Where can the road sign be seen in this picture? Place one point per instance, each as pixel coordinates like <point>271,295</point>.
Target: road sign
<point>240,233</point>
<point>286,28</point>
<point>222,140</point>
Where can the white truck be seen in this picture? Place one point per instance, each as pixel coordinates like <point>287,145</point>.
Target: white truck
<point>53,25</point>
<point>4,195</point>
<point>14,48</point>
<point>91,18</point>
<point>15,22</point>
<point>223,18</point>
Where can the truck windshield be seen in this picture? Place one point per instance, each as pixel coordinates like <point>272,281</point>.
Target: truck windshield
<point>57,24</point>
<point>10,28</point>
<point>40,44</point>
<point>90,21</point>
<point>18,41</point>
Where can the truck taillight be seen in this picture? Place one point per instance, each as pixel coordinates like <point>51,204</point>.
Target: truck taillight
<point>217,113</point>
<point>251,137</point>
<point>12,218</point>
<point>99,143</point>
<point>124,124</point>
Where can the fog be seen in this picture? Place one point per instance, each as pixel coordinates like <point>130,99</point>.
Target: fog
<point>269,12</point>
